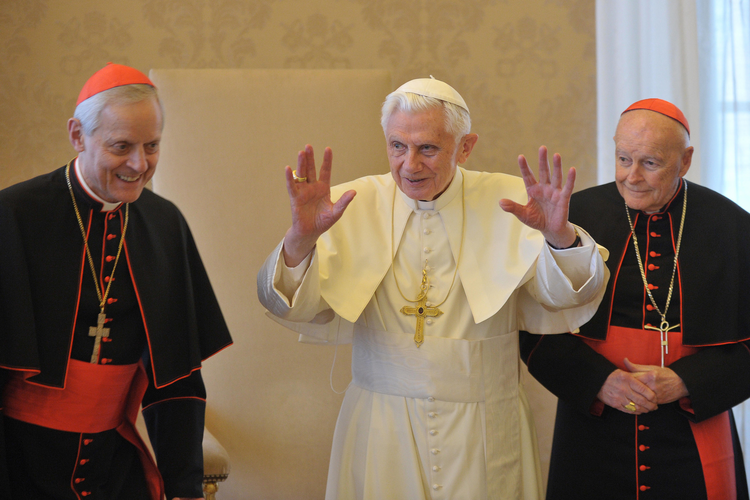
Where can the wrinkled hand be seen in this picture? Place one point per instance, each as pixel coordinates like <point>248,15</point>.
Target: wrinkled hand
<point>666,384</point>
<point>547,206</point>
<point>621,388</point>
<point>313,212</point>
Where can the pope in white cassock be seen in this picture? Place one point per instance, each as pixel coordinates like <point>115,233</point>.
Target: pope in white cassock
<point>431,280</point>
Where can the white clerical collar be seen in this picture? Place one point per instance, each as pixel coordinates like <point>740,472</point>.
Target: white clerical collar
<point>441,201</point>
<point>106,205</point>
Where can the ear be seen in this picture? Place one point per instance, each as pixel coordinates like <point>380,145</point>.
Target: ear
<point>687,158</point>
<point>75,134</point>
<point>466,146</point>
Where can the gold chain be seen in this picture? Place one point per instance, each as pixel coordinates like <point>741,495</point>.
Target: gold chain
<point>676,255</point>
<point>102,298</point>
<point>424,285</point>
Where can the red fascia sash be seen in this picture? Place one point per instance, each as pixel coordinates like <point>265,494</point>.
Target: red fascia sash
<point>96,398</point>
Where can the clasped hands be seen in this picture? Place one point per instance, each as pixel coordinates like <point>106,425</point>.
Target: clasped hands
<point>646,386</point>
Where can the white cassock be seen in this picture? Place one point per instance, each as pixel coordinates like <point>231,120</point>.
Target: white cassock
<point>447,420</point>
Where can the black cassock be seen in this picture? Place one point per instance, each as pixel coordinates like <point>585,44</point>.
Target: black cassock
<point>600,452</point>
<point>161,309</point>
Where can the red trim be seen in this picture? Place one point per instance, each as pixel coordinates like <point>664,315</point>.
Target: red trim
<point>637,464</point>
<point>172,399</point>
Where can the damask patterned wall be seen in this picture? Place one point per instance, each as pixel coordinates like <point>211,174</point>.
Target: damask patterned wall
<point>525,67</point>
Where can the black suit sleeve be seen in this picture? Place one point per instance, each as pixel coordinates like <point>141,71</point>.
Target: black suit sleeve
<point>175,418</point>
<point>717,378</point>
<point>566,366</point>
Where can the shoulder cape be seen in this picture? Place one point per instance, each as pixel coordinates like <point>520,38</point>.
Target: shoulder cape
<point>714,262</point>
<point>41,259</point>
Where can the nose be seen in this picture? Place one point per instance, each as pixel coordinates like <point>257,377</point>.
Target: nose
<point>635,174</point>
<point>411,162</point>
<point>138,159</point>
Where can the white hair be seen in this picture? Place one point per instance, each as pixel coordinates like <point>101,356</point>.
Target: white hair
<point>457,119</point>
<point>89,111</point>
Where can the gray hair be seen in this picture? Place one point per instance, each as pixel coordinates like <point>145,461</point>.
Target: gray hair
<point>457,119</point>
<point>89,111</point>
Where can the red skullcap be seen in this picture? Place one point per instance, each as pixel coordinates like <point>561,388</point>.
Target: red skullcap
<point>663,107</point>
<point>111,76</point>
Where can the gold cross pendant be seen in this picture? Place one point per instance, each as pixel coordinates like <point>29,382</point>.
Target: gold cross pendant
<point>98,331</point>
<point>421,311</point>
<point>663,336</point>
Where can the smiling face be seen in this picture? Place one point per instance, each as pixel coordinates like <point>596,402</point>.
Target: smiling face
<point>422,154</point>
<point>119,158</point>
<point>652,153</point>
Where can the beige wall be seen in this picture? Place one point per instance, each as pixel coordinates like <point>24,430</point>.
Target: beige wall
<point>525,67</point>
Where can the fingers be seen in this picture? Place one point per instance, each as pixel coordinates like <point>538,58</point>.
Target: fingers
<point>528,176</point>
<point>306,164</point>
<point>544,175</point>
<point>621,388</point>
<point>325,168</point>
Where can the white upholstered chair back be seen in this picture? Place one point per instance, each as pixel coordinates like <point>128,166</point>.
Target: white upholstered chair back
<point>228,134</point>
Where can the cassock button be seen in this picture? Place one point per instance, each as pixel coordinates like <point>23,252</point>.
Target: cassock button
<point>79,480</point>
<point>652,287</point>
<point>431,414</point>
<point>431,399</point>
<point>428,321</point>
<point>644,487</point>
<point>643,467</point>
<point>643,447</point>
<point>654,254</point>
<point>427,231</point>
<point>85,493</point>
<point>649,307</point>
<point>436,486</point>
<point>655,235</point>
<point>652,267</point>
<point>434,451</point>
<point>111,300</point>
<point>433,432</point>
<point>83,461</point>
<point>426,215</point>
<point>426,250</point>
<point>111,216</point>
<point>435,468</point>
<point>109,258</point>
<point>111,236</point>
<point>87,442</point>
<point>642,428</point>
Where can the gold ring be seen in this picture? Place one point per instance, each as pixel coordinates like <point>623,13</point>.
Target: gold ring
<point>297,178</point>
<point>630,406</point>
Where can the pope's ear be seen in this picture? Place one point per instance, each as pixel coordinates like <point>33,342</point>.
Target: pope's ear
<point>75,134</point>
<point>466,146</point>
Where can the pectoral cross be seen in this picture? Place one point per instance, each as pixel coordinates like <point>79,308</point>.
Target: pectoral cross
<point>663,336</point>
<point>421,311</point>
<point>98,331</point>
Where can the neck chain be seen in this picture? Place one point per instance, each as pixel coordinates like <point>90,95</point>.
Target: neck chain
<point>97,331</point>
<point>421,311</point>
<point>664,327</point>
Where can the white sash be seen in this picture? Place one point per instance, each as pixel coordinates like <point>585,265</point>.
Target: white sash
<point>452,370</point>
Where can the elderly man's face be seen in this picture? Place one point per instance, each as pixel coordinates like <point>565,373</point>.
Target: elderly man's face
<point>652,153</point>
<point>422,154</point>
<point>119,158</point>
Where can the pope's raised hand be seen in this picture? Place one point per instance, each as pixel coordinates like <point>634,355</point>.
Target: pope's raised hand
<point>313,212</point>
<point>548,200</point>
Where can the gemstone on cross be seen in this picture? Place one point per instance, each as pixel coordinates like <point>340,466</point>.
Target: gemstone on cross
<point>421,311</point>
<point>98,331</point>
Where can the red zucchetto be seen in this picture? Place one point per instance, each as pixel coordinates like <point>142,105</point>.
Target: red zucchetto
<point>111,76</point>
<point>661,106</point>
